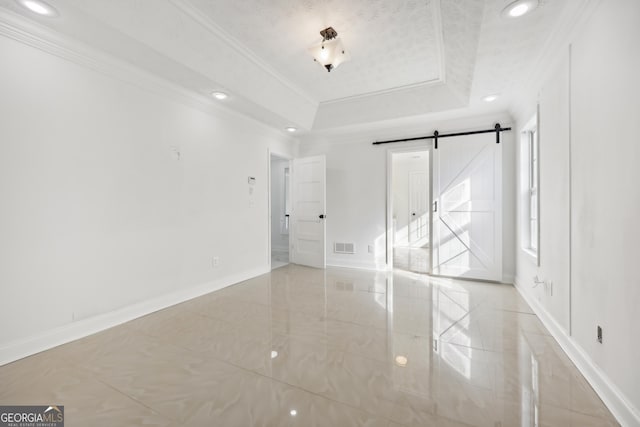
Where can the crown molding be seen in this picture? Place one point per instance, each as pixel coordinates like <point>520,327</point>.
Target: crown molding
<point>411,86</point>
<point>204,21</point>
<point>30,33</point>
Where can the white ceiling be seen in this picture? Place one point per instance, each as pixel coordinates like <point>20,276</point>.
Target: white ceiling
<point>409,57</point>
<point>281,31</point>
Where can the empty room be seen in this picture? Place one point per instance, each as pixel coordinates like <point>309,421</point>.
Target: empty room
<point>319,213</point>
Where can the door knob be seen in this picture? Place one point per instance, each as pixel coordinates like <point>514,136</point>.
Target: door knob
<point>321,216</point>
<point>413,214</point>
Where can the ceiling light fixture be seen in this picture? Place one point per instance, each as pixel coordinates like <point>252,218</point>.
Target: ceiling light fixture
<point>519,8</point>
<point>39,7</point>
<point>274,354</point>
<point>330,53</point>
<point>293,412</point>
<point>490,98</point>
<point>291,129</point>
<point>219,95</point>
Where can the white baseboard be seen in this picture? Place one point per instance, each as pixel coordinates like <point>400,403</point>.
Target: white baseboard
<point>72,331</point>
<point>626,414</point>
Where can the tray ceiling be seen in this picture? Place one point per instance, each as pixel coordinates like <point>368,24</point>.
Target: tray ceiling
<point>392,43</point>
<point>409,57</point>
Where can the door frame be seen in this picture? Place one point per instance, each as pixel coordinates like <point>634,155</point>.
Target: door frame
<point>289,158</point>
<point>407,148</point>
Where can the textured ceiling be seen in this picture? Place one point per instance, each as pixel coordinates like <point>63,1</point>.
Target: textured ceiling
<point>392,43</point>
<point>409,57</point>
<point>461,25</point>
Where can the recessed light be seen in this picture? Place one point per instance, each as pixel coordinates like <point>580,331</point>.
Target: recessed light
<point>39,7</point>
<point>401,361</point>
<point>274,354</point>
<point>219,95</point>
<point>519,8</point>
<point>291,129</point>
<point>490,98</point>
<point>293,412</point>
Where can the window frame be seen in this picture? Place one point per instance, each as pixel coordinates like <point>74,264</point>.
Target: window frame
<point>531,189</point>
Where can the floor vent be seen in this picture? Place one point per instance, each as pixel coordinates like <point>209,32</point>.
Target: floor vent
<point>344,248</point>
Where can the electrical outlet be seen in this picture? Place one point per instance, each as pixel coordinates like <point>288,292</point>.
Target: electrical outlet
<point>215,261</point>
<point>548,288</point>
<point>599,334</point>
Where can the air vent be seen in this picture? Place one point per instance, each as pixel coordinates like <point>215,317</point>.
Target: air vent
<point>344,248</point>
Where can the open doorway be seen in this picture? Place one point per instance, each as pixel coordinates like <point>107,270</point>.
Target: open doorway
<point>280,201</point>
<point>410,210</point>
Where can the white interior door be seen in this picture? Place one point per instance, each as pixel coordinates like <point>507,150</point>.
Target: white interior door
<point>467,219</point>
<point>418,210</point>
<point>308,213</point>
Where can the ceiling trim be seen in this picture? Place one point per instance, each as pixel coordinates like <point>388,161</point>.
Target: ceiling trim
<point>204,21</point>
<point>384,91</point>
<point>22,30</point>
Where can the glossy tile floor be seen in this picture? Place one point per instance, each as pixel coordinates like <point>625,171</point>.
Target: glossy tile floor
<point>279,259</point>
<point>411,259</point>
<point>309,347</point>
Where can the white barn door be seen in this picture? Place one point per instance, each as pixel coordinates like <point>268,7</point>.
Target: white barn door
<point>467,219</point>
<point>308,213</point>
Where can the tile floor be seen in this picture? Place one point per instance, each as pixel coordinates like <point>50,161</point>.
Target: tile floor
<point>279,259</point>
<point>309,347</point>
<point>411,259</point>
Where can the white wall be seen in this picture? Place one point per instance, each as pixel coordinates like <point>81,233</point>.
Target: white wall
<point>97,212</point>
<point>590,202</point>
<point>279,240</point>
<point>355,197</point>
<point>356,187</point>
<point>553,152</point>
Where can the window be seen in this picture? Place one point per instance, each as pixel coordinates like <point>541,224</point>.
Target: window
<point>533,189</point>
<point>529,166</point>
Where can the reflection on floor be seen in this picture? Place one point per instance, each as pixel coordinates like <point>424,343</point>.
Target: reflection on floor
<point>279,259</point>
<point>411,259</point>
<point>307,347</point>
